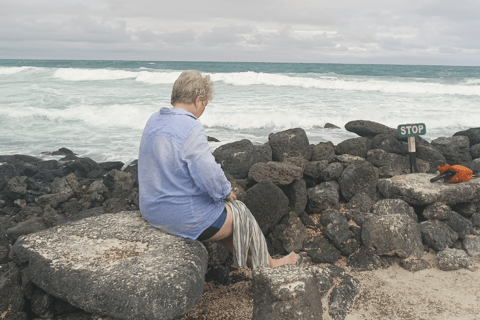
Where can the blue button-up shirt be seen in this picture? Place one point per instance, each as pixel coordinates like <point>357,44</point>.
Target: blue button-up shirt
<point>182,188</point>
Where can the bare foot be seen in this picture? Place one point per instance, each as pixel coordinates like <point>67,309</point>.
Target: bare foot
<point>288,259</point>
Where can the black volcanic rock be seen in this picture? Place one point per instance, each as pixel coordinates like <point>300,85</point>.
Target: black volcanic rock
<point>365,128</point>
<point>289,143</point>
<point>355,146</point>
<point>473,135</point>
<point>236,158</point>
<point>456,150</point>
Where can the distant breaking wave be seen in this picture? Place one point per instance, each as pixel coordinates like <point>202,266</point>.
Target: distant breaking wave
<point>12,70</point>
<point>254,78</point>
<point>75,74</point>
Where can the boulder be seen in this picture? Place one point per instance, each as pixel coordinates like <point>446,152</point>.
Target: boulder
<point>391,164</point>
<point>313,169</point>
<point>355,146</point>
<point>330,126</point>
<point>110,165</point>
<point>51,217</point>
<point>7,171</point>
<point>342,298</point>
<point>217,253</point>
<point>437,211</point>
<point>473,165</point>
<point>67,184</point>
<point>358,177</point>
<point>465,209</point>
<point>84,168</point>
<point>16,187</point>
<point>393,206</point>
<point>263,152</point>
<point>475,151</point>
<point>118,182</point>
<point>365,128</point>
<point>460,225</point>
<point>323,151</point>
<point>473,135</point>
<point>297,196</point>
<point>268,204</point>
<point>236,158</point>
<point>289,234</point>
<point>289,143</point>
<point>366,259</point>
<point>471,245</point>
<point>389,143</point>
<point>393,234</point>
<point>347,159</point>
<point>416,189</point>
<point>279,173</point>
<point>53,200</point>
<point>307,220</point>
<point>26,227</point>
<point>454,259</point>
<point>431,155</point>
<point>332,172</point>
<point>42,303</point>
<point>361,202</point>
<point>476,219</point>
<point>321,250</point>
<point>47,165</point>
<point>414,265</point>
<point>11,294</point>
<point>132,168</point>
<point>437,235</point>
<point>456,150</point>
<point>321,198</point>
<point>117,266</point>
<point>286,293</point>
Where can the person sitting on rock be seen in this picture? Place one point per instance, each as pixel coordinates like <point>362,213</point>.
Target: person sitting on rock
<point>183,190</point>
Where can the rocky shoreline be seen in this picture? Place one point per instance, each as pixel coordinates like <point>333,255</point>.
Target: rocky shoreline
<point>355,202</point>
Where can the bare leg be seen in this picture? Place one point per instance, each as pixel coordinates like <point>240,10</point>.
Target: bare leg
<point>274,263</point>
<point>225,235</point>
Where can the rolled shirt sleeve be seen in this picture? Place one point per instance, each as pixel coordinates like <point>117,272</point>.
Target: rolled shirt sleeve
<point>207,174</point>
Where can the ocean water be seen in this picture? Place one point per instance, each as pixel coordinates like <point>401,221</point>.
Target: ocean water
<point>98,108</point>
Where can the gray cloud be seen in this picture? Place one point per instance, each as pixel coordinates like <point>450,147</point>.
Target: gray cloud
<point>429,31</point>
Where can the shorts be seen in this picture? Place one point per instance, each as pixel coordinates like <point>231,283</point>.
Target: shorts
<point>214,228</point>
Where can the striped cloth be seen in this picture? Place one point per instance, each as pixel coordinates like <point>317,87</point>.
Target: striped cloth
<point>247,235</point>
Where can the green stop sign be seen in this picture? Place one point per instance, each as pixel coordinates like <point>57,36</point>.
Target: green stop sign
<point>410,130</point>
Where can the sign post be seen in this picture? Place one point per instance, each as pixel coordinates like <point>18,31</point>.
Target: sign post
<point>410,131</point>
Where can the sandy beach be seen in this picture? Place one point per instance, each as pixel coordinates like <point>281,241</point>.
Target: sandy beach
<point>393,293</point>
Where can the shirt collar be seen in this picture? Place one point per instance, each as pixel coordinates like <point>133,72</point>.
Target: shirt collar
<point>177,111</point>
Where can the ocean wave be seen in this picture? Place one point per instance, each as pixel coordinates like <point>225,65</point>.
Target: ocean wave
<point>125,115</point>
<point>472,82</point>
<point>348,84</point>
<point>75,74</point>
<point>327,82</point>
<point>12,70</point>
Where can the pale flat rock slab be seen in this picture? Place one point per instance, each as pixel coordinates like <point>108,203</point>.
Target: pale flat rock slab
<point>417,189</point>
<point>116,265</point>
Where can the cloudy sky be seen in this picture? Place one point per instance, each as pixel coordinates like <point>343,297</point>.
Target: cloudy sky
<point>338,31</point>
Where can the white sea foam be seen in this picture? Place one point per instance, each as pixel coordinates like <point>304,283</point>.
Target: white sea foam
<point>126,116</point>
<point>392,85</point>
<point>74,74</point>
<point>12,70</point>
<point>327,82</point>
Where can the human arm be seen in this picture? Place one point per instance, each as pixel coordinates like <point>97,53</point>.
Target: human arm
<point>206,173</point>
